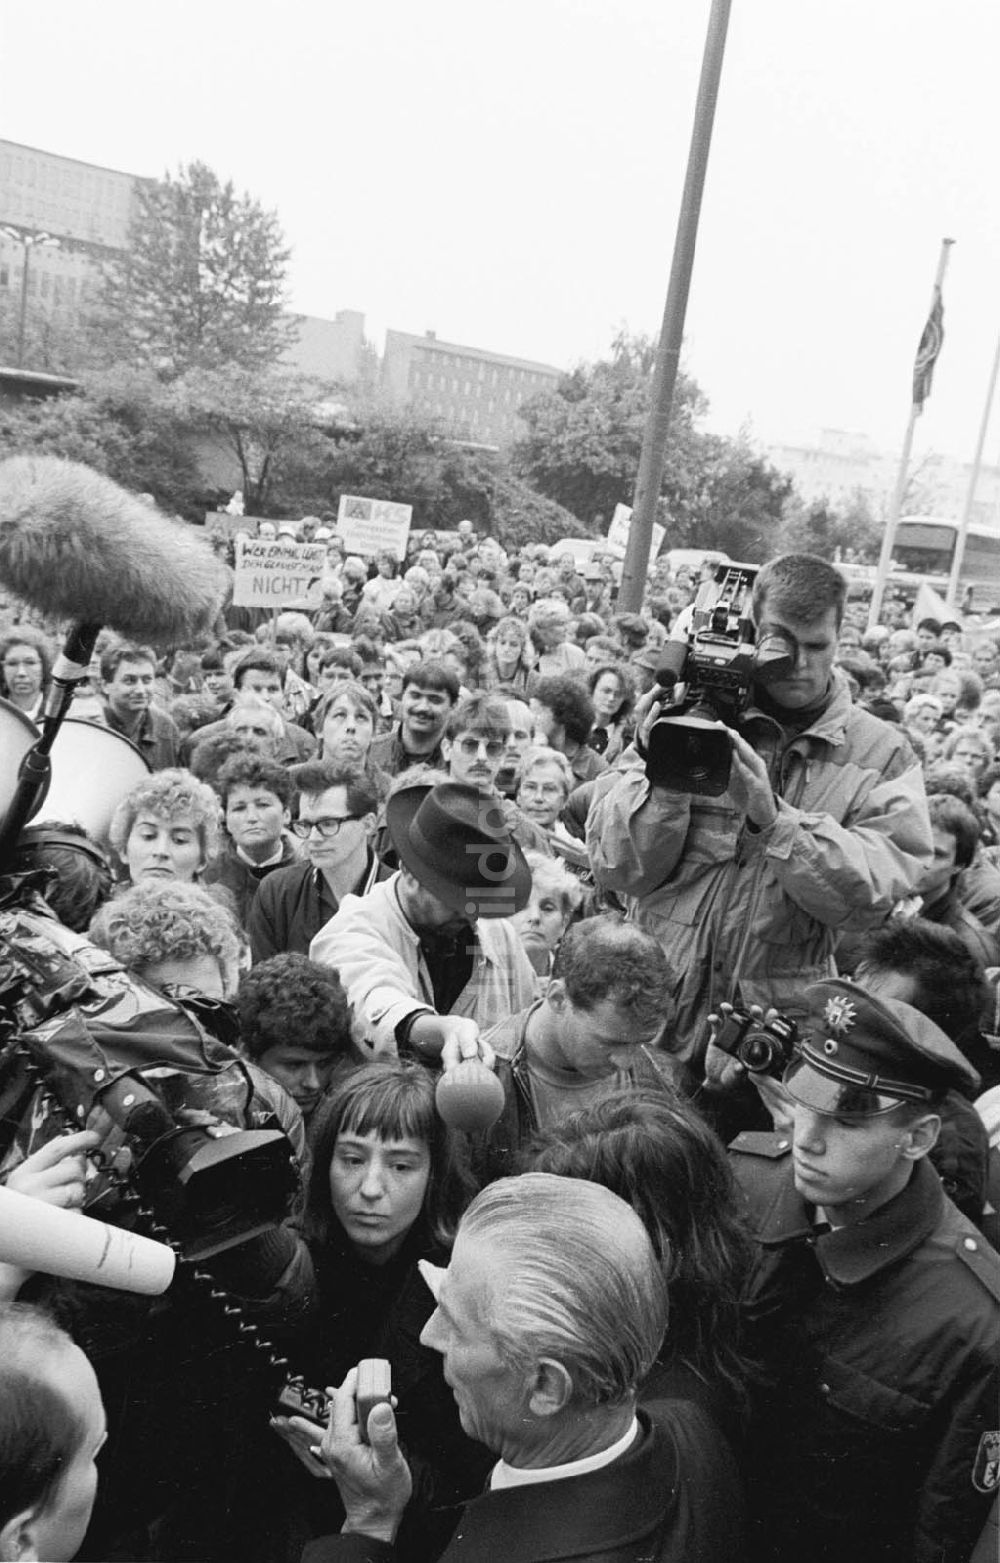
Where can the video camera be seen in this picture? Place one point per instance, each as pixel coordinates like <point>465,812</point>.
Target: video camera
<point>763,1047</point>
<point>689,749</point>
<point>74,1022</point>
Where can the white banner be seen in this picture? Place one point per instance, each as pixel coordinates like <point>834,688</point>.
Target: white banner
<point>621,522</point>
<point>273,574</point>
<point>373,526</point>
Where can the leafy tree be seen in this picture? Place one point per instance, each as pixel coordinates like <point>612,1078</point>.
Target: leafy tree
<point>120,423</point>
<point>57,336</point>
<point>267,424</point>
<point>202,282</point>
<point>729,498</point>
<point>583,445</point>
<point>823,527</point>
<point>584,438</point>
<point>390,454</point>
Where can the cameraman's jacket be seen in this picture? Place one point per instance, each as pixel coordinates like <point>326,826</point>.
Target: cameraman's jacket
<point>757,913</point>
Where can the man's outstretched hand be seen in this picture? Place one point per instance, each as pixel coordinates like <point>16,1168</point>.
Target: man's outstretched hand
<point>374,1478</point>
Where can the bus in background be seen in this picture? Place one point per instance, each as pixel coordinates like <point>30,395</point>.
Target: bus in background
<point>923,551</point>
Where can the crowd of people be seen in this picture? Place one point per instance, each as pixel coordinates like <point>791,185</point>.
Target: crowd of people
<point>718,1278</point>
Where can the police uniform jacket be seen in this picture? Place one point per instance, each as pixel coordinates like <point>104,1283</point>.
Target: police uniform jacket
<point>850,839</point>
<point>875,1440</point>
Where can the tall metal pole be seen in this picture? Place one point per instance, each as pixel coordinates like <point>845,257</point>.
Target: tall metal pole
<point>899,494</point>
<point>654,440</point>
<point>977,461</point>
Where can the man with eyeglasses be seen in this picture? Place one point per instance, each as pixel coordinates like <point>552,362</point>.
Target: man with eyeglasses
<point>336,826</point>
<point>475,746</point>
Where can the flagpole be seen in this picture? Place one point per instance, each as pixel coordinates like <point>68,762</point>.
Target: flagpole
<point>977,461</point>
<point>899,494</point>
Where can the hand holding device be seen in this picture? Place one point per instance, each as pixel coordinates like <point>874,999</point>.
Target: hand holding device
<point>374,1479</point>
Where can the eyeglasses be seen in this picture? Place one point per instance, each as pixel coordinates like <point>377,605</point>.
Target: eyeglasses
<point>328,828</point>
<point>469,746</point>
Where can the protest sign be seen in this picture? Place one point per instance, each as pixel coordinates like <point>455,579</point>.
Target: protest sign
<point>373,526</point>
<point>277,572</point>
<point>618,531</point>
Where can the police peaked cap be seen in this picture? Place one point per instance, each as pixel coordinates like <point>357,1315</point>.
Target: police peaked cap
<point>861,1056</point>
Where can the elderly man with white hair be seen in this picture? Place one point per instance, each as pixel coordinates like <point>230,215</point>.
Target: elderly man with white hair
<point>549,1316</point>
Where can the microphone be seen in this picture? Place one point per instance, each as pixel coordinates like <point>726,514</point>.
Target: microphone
<point>469,1096</point>
<point>38,1236</point>
<point>76,546</point>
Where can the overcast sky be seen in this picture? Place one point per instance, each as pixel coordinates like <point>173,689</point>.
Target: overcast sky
<point>509,175</point>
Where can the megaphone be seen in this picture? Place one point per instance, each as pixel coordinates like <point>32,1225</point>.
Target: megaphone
<point>93,769</point>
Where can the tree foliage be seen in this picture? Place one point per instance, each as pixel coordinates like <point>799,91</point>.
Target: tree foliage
<point>56,340</point>
<point>584,438</point>
<point>822,527</point>
<point>266,422</point>
<point>202,282</point>
<point>583,445</point>
<point>121,423</point>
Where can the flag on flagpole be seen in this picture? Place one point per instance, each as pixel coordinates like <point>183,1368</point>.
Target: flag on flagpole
<point>927,352</point>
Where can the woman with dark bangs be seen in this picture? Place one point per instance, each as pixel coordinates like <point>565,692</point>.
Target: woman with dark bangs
<point>387,1189</point>
<point>656,1153</point>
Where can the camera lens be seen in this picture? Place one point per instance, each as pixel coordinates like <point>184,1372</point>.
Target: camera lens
<point>758,1051</point>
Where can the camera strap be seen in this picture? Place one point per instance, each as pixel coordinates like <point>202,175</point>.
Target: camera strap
<point>749,924</point>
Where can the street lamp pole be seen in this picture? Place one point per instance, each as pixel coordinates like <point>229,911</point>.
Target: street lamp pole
<point>27,241</point>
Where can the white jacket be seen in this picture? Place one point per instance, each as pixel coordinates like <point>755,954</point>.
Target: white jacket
<point>377,954</point>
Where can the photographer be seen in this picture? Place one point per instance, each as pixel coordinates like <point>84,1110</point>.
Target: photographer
<point>822,827</point>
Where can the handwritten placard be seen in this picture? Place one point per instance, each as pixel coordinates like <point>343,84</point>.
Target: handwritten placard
<point>271,573</point>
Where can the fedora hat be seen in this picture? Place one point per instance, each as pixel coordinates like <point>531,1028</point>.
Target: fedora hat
<point>455,840</point>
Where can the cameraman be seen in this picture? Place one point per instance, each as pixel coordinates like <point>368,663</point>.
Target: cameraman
<point>822,828</point>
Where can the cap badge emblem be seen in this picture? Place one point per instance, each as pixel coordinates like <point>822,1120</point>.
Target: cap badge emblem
<point>840,1014</point>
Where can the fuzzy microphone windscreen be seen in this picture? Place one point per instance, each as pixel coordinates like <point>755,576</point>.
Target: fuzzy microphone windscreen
<point>76,546</point>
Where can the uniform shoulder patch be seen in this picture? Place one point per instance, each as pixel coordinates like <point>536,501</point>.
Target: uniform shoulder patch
<point>978,1256</point>
<point>761,1143</point>
<point>986,1466</point>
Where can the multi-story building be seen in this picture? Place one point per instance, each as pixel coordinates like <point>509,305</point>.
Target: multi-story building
<point>472,394</point>
<point>841,465</point>
<point>331,349</point>
<point>58,219</point>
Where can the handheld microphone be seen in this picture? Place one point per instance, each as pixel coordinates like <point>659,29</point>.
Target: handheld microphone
<point>39,1236</point>
<point>469,1096</point>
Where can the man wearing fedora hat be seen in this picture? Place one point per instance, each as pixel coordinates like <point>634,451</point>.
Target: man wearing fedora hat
<point>875,1304</point>
<point>429,957</point>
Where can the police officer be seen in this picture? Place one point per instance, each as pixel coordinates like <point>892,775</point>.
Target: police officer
<point>875,1305</point>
